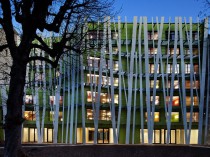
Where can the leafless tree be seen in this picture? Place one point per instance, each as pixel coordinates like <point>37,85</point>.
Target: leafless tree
<point>30,18</point>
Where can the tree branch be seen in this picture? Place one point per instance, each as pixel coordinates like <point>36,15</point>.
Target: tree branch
<point>8,27</point>
<point>33,58</point>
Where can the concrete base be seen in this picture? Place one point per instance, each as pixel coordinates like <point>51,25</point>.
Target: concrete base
<point>115,150</point>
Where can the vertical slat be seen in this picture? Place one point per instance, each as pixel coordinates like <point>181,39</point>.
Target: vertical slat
<point>112,83</point>
<point>147,73</point>
<point>120,77</point>
<point>202,83</point>
<point>130,83</point>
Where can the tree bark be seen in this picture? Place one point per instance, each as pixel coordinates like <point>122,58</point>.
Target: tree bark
<point>14,117</point>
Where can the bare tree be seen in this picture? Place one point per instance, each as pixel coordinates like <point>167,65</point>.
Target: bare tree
<point>65,18</point>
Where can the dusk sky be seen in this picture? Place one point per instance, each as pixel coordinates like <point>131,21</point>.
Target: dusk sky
<point>153,8</point>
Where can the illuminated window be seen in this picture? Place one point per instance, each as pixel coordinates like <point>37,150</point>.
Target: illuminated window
<point>156,116</point>
<point>91,96</point>
<point>114,64</point>
<point>53,101</point>
<point>91,78</point>
<point>152,68</point>
<point>174,116</point>
<point>175,100</point>
<point>30,115</point>
<point>195,84</point>
<point>107,81</point>
<point>195,116</point>
<point>187,68</point>
<point>157,100</point>
<point>60,116</point>
<point>152,84</point>
<point>104,97</point>
<point>153,50</point>
<point>195,51</point>
<point>153,35</point>
<point>93,62</point>
<point>172,50</point>
<point>175,85</point>
<point>170,68</point>
<point>28,99</point>
<point>195,68</point>
<point>194,101</point>
<point>103,115</point>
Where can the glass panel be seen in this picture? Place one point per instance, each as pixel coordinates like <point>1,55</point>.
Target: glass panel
<point>157,136</point>
<point>152,84</point>
<point>145,136</point>
<point>106,135</point>
<point>25,135</point>
<point>195,116</point>
<point>100,136</point>
<point>50,135</point>
<point>173,136</point>
<point>60,116</point>
<point>45,134</point>
<point>156,116</point>
<point>157,100</point>
<point>175,117</point>
<point>30,115</point>
<point>196,84</point>
<point>28,99</point>
<point>31,134</point>
<point>175,100</point>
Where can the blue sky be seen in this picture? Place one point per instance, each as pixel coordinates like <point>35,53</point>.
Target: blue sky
<point>153,8</point>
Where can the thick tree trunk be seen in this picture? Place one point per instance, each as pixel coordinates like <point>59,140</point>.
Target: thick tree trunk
<point>14,110</point>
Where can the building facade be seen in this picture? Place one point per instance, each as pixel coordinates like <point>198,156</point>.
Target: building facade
<point>139,82</point>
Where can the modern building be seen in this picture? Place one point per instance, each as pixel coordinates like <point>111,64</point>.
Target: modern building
<point>139,82</point>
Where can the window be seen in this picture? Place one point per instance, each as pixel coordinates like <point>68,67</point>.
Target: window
<point>188,101</point>
<point>195,68</point>
<point>114,64</point>
<point>175,85</point>
<point>195,116</point>
<point>153,50</point>
<point>195,51</point>
<point>171,51</point>
<point>195,84</point>
<point>152,68</point>
<point>170,68</point>
<point>194,35</point>
<point>30,115</point>
<point>172,35</point>
<point>187,68</point>
<point>93,62</point>
<point>105,80</point>
<point>94,35</point>
<point>60,116</point>
<point>152,84</point>
<point>156,116</point>
<point>153,35</point>
<point>175,100</point>
<point>104,97</point>
<point>157,100</point>
<point>91,78</point>
<point>48,135</point>
<point>28,99</point>
<point>53,101</point>
<point>174,116</point>
<point>103,115</point>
